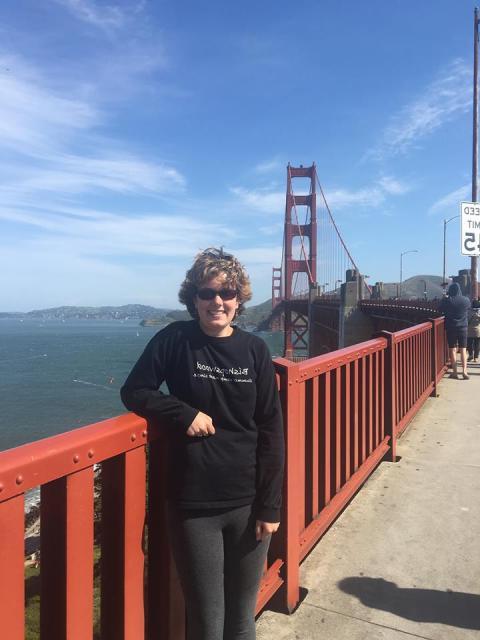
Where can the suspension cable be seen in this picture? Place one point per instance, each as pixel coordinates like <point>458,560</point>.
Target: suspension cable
<point>338,232</point>
<point>336,228</point>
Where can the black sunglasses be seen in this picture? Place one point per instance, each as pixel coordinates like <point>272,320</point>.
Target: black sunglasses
<point>217,254</point>
<point>209,294</point>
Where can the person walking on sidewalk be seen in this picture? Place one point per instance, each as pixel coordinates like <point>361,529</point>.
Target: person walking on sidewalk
<point>223,420</point>
<point>473,333</point>
<point>455,309</point>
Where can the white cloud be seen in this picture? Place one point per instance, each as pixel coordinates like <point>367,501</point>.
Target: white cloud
<point>446,97</point>
<point>41,130</point>
<point>451,201</point>
<point>259,255</point>
<point>34,119</point>
<point>269,166</point>
<point>392,186</point>
<point>272,229</point>
<point>372,196</point>
<point>104,16</point>
<point>106,234</point>
<point>272,201</point>
<point>342,198</point>
<point>261,200</point>
<point>70,174</point>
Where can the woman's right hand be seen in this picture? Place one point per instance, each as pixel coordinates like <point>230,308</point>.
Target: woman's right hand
<point>202,425</point>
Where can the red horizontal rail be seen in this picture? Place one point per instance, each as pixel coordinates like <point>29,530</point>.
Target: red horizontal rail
<point>320,364</point>
<point>405,334</point>
<point>31,465</point>
<point>270,584</point>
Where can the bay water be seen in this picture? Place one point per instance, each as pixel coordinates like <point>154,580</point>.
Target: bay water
<point>56,376</point>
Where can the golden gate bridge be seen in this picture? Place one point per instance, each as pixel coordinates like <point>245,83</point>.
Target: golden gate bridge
<point>318,290</point>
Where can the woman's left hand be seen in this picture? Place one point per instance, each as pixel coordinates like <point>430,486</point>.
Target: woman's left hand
<point>265,529</point>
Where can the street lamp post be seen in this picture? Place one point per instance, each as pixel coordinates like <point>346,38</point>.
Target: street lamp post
<point>401,268</point>
<point>474,259</point>
<point>424,288</point>
<point>445,222</point>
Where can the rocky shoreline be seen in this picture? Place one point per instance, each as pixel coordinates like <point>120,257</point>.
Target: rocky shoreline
<point>32,534</point>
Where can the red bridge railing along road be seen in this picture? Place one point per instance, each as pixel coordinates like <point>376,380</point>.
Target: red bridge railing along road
<point>343,412</point>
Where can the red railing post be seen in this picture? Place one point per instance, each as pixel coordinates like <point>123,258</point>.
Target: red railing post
<point>12,550</point>
<point>165,603</point>
<point>122,559</point>
<point>290,398</point>
<point>434,357</point>
<point>66,545</point>
<point>390,390</point>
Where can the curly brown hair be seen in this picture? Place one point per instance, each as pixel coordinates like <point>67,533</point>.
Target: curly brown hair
<point>213,263</point>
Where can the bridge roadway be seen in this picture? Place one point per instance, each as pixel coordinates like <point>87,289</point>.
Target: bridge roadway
<point>403,560</point>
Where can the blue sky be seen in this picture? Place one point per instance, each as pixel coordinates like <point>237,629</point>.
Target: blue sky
<point>134,133</point>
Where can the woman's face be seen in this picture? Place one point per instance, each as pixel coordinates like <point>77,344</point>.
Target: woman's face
<point>216,315</point>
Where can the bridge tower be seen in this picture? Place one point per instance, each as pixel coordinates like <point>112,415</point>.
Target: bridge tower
<point>276,286</point>
<point>300,257</point>
<point>276,323</point>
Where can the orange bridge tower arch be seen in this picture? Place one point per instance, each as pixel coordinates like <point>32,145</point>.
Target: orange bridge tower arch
<point>300,258</point>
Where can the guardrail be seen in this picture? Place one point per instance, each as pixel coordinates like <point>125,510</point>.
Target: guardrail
<point>336,435</point>
<point>406,303</point>
<point>343,412</point>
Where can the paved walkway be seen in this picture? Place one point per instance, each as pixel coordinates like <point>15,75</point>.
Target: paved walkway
<point>403,560</point>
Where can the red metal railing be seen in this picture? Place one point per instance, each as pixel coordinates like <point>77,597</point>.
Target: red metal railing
<point>439,348</point>
<point>336,434</point>
<point>417,303</point>
<point>343,412</point>
<point>418,363</point>
<point>415,380</point>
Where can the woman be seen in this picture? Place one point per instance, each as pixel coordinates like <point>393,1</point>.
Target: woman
<point>226,446</point>
<point>455,308</point>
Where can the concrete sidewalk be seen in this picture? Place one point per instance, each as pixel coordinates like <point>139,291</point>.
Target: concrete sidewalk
<point>403,560</point>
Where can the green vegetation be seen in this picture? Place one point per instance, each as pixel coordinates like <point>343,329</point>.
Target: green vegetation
<point>32,599</point>
<point>32,603</point>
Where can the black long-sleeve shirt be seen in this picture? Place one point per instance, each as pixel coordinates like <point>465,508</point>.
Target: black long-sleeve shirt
<point>232,380</point>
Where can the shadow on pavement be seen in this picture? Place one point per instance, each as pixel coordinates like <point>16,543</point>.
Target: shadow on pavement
<point>421,605</point>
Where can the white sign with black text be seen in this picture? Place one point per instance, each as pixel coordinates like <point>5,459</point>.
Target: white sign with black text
<point>470,235</point>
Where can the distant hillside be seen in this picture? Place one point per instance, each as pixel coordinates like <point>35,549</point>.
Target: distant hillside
<point>414,287</point>
<point>251,316</point>
<point>177,314</point>
<point>125,312</point>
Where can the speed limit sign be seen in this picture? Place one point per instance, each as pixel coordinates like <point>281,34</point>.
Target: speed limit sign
<point>470,238</point>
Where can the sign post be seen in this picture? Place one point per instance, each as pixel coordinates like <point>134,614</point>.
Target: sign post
<point>473,259</point>
<point>470,228</point>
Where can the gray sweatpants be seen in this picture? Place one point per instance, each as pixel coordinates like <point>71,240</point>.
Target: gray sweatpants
<point>220,565</point>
